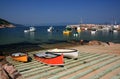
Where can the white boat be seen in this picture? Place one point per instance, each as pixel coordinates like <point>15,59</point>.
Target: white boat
<point>31,29</point>
<point>26,30</point>
<point>114,31</point>
<point>69,53</point>
<point>93,32</point>
<point>50,29</point>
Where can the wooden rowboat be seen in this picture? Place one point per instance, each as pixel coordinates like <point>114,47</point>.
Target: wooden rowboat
<point>20,57</point>
<point>69,53</point>
<point>50,59</point>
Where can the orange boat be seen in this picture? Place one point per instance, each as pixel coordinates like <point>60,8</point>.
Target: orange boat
<point>20,57</point>
<point>50,59</point>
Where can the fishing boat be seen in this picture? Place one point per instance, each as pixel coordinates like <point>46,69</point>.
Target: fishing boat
<point>31,29</point>
<point>50,59</point>
<point>69,53</point>
<point>20,57</point>
<point>50,29</point>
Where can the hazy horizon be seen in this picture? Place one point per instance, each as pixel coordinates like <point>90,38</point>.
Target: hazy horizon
<point>60,12</point>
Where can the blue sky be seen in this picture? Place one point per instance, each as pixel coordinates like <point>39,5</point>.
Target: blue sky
<point>60,11</point>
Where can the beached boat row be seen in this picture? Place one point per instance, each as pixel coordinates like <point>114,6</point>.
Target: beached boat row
<point>50,57</point>
<point>92,61</point>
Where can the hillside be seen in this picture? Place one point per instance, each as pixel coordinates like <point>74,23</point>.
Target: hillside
<point>5,24</point>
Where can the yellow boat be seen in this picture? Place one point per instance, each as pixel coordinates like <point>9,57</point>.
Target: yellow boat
<point>20,57</point>
<point>79,31</point>
<point>66,32</point>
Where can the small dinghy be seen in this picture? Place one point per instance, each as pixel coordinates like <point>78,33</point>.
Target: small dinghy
<point>23,57</point>
<point>69,53</point>
<point>50,59</point>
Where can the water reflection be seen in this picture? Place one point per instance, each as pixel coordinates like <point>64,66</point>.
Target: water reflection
<point>29,35</point>
<point>32,35</point>
<point>105,33</point>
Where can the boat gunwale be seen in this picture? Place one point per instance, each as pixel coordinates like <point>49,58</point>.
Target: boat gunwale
<point>19,54</point>
<point>54,51</point>
<point>46,57</point>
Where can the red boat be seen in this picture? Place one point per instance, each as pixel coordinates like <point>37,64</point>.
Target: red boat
<point>50,59</point>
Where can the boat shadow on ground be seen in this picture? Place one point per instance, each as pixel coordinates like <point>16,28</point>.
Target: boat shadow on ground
<point>19,47</point>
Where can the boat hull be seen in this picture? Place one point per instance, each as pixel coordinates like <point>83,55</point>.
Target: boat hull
<point>22,58</point>
<point>69,53</point>
<point>66,32</point>
<point>55,61</point>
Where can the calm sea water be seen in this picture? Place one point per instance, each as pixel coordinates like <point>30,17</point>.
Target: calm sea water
<point>17,35</point>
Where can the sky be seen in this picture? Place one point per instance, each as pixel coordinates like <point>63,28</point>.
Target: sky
<point>46,12</point>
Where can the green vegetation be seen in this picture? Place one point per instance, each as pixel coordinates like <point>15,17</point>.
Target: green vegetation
<point>4,22</point>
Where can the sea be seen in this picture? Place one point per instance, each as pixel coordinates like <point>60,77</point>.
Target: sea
<point>42,36</point>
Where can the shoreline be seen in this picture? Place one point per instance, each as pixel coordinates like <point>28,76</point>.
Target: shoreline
<point>95,52</point>
<point>91,46</point>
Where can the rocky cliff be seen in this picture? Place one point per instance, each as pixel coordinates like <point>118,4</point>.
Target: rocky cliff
<point>5,24</point>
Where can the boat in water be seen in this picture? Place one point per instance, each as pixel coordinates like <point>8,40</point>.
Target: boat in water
<point>69,53</point>
<point>31,29</point>
<point>23,57</point>
<point>78,29</point>
<point>50,29</point>
<point>93,31</point>
<point>66,32</point>
<point>50,59</point>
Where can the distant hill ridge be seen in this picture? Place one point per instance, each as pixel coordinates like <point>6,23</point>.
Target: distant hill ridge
<point>5,24</point>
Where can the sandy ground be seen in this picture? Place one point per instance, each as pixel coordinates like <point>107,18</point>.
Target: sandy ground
<point>110,49</point>
<point>113,48</point>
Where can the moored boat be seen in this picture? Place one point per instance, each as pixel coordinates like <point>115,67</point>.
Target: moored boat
<point>31,29</point>
<point>66,32</point>
<point>50,29</point>
<point>93,31</point>
<point>26,30</point>
<point>20,57</point>
<point>69,53</point>
<point>78,29</point>
<point>50,59</point>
